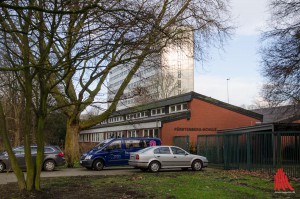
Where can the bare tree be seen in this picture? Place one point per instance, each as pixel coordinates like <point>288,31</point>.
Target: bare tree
<point>161,85</point>
<point>67,49</point>
<point>13,102</point>
<point>125,33</point>
<point>280,53</point>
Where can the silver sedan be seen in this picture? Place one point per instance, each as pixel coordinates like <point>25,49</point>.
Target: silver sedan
<point>160,157</point>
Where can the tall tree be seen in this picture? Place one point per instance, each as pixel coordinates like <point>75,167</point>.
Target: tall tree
<point>28,32</point>
<point>125,33</point>
<point>281,53</point>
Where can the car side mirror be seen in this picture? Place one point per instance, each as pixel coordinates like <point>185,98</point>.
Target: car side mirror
<point>186,154</point>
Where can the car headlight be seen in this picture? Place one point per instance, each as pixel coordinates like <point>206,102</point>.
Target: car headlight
<point>88,157</point>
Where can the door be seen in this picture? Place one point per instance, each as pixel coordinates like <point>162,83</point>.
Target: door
<point>163,154</point>
<point>180,157</point>
<point>116,154</point>
<point>20,155</point>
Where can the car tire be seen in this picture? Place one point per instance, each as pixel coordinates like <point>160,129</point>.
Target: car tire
<point>2,167</point>
<point>49,165</point>
<point>154,166</point>
<point>98,165</point>
<point>197,165</point>
<point>144,169</point>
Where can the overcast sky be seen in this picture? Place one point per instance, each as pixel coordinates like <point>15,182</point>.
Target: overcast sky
<point>240,61</point>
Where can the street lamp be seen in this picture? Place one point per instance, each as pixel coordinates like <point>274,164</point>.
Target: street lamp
<point>227,90</point>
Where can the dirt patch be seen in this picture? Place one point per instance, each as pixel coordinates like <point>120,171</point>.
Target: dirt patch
<point>72,187</point>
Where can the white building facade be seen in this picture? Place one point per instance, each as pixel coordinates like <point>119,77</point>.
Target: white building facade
<point>168,74</point>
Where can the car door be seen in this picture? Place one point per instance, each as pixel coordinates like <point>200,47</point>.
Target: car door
<point>180,157</point>
<point>115,153</point>
<point>163,154</point>
<point>20,155</point>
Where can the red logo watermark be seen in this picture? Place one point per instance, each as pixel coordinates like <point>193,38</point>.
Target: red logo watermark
<point>281,183</point>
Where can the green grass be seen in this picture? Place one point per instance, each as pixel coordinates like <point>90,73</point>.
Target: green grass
<point>210,183</point>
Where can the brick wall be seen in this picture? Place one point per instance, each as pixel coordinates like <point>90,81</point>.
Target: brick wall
<point>205,118</point>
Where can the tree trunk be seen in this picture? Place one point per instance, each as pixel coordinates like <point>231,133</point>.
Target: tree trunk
<point>12,157</point>
<point>71,143</point>
<point>40,137</point>
<point>30,167</point>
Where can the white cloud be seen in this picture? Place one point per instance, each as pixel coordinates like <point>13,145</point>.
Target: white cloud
<point>250,16</point>
<point>241,90</point>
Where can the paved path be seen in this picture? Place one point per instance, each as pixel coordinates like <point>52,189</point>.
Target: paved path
<point>10,176</point>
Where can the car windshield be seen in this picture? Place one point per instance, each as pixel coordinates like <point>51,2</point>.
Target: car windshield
<point>102,143</point>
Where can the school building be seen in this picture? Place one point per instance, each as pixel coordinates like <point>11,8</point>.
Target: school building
<point>189,114</point>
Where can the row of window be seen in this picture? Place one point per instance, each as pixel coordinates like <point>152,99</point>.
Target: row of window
<point>143,114</point>
<point>139,74</point>
<point>97,137</point>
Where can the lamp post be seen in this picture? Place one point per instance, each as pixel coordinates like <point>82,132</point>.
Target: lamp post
<point>227,90</point>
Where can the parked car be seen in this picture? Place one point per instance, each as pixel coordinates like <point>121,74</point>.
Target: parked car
<point>115,152</point>
<point>53,156</point>
<point>161,157</point>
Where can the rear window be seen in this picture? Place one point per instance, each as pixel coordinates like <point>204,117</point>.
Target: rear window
<point>48,150</point>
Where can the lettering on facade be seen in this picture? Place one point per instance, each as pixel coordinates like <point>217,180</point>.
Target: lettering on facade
<point>194,129</point>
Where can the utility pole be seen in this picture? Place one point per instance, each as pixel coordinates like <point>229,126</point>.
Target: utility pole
<point>227,90</point>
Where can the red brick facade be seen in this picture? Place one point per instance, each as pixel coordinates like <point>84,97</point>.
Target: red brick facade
<point>206,118</point>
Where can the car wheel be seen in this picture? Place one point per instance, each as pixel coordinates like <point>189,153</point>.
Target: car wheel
<point>154,166</point>
<point>98,165</point>
<point>144,169</point>
<point>2,167</point>
<point>49,165</point>
<point>197,165</point>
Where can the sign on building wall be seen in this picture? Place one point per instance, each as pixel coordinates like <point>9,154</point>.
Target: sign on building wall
<point>194,129</point>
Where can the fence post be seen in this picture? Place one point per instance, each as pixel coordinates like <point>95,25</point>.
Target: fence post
<point>279,158</point>
<point>248,151</point>
<point>225,153</point>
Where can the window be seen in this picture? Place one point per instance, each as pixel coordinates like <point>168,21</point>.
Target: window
<point>179,83</point>
<point>158,111</point>
<point>178,151</point>
<point>172,109</point>
<point>153,112</point>
<point>131,144</point>
<point>114,145</point>
<point>19,150</point>
<point>162,150</point>
<point>48,150</point>
<point>132,133</point>
<point>178,108</point>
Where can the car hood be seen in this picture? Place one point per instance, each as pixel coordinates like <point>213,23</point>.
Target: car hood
<point>92,151</point>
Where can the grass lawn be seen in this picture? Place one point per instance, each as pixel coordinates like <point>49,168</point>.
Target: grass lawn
<point>209,183</point>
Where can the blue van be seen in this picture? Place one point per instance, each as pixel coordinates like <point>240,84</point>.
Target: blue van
<point>115,152</point>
